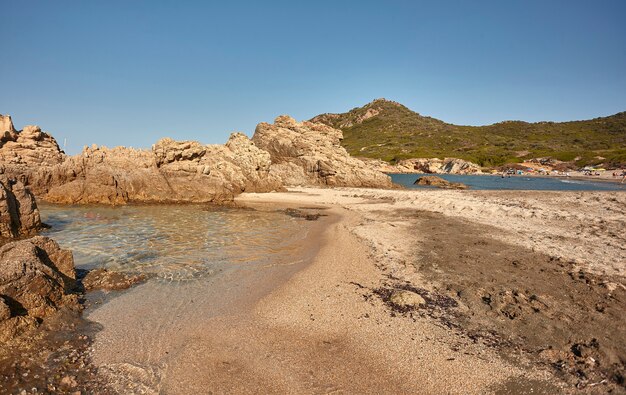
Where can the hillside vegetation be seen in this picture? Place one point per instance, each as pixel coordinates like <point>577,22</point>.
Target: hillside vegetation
<point>389,131</point>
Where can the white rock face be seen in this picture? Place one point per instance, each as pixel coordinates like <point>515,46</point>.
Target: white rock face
<point>307,153</point>
<point>437,166</point>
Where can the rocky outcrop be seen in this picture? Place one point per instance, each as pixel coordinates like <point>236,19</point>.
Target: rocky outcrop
<point>437,166</point>
<point>215,172</point>
<point>308,153</point>
<point>286,153</point>
<point>434,181</point>
<point>36,279</point>
<point>173,171</point>
<point>19,215</point>
<point>28,147</point>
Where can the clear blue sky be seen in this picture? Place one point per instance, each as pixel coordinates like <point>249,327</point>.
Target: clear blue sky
<point>131,72</point>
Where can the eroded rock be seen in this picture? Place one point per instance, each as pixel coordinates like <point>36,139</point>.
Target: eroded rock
<point>307,153</point>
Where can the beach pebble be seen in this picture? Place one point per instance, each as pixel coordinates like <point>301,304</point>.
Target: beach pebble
<point>406,299</point>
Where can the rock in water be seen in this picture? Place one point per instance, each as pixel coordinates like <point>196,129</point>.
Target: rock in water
<point>36,279</point>
<point>308,153</point>
<point>110,281</point>
<point>439,182</point>
<point>19,215</point>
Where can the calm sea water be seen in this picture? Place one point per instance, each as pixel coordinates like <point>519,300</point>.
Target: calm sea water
<point>484,182</point>
<point>172,242</point>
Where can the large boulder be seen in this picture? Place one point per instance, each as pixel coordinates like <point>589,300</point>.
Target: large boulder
<point>19,215</point>
<point>308,153</point>
<point>36,279</point>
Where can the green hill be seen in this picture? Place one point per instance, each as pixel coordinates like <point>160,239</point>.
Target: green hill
<point>388,130</point>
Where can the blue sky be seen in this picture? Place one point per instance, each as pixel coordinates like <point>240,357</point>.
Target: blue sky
<point>131,72</point>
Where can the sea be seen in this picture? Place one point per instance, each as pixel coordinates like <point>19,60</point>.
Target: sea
<point>171,242</point>
<point>515,182</point>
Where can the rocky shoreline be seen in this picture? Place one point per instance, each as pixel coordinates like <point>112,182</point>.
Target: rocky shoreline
<point>485,291</point>
<point>284,153</point>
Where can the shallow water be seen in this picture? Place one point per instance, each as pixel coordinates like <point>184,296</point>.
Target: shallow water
<point>172,242</point>
<point>489,182</point>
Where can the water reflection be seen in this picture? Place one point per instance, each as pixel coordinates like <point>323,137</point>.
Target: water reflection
<point>171,242</point>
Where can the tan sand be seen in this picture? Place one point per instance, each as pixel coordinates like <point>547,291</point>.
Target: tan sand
<point>588,228</point>
<point>280,332</point>
<point>317,326</point>
<point>542,271</point>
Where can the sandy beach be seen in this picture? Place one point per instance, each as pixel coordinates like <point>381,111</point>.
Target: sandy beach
<point>514,302</point>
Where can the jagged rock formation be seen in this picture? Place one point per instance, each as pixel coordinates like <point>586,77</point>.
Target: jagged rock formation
<point>286,153</point>
<point>36,279</point>
<point>172,171</point>
<point>28,147</point>
<point>19,215</point>
<point>308,153</point>
<point>437,166</point>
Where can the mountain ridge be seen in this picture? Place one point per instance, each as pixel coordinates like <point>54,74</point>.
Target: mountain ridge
<point>387,130</point>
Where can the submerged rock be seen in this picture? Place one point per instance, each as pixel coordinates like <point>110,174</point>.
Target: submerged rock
<point>295,213</point>
<point>439,182</point>
<point>104,279</point>
<point>308,153</point>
